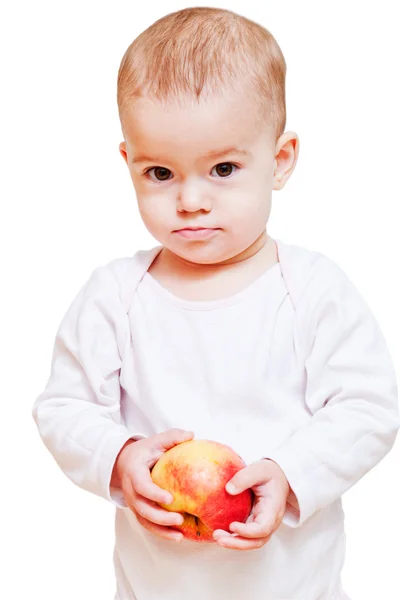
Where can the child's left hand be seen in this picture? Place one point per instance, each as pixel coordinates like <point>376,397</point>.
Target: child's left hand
<point>271,490</point>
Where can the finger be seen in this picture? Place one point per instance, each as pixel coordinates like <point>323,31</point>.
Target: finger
<point>172,437</point>
<point>250,518</point>
<point>143,484</point>
<point>159,530</point>
<point>239,543</point>
<point>245,478</point>
<point>155,514</point>
<point>217,533</point>
<point>265,522</point>
<point>223,532</point>
<point>253,530</point>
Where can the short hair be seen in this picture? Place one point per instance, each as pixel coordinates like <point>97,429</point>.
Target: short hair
<point>193,51</point>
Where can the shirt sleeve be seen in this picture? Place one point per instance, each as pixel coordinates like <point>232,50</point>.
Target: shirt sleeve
<point>78,414</point>
<point>351,394</point>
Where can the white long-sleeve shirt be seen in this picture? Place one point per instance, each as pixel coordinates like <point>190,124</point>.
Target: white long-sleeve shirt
<point>293,368</point>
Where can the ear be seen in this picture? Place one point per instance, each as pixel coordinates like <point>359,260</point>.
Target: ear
<point>287,152</point>
<point>122,149</point>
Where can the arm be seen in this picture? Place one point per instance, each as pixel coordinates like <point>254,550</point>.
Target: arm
<point>78,414</point>
<point>351,393</point>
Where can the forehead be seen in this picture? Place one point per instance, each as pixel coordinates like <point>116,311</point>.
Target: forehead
<point>155,127</point>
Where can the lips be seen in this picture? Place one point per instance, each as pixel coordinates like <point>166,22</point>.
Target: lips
<point>194,228</point>
<point>196,232</point>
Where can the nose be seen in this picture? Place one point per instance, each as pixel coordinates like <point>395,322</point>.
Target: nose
<point>192,198</point>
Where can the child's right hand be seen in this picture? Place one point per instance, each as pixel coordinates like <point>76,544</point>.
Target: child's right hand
<point>132,472</point>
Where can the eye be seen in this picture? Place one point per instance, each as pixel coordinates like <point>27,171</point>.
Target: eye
<point>225,169</point>
<point>161,173</point>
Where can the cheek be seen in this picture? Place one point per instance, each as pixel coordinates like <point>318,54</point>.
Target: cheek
<point>154,212</point>
<point>149,210</point>
<point>249,209</point>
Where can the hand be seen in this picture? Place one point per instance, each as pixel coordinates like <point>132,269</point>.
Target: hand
<point>271,489</point>
<point>132,474</point>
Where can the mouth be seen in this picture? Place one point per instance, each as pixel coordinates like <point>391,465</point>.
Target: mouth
<point>196,232</point>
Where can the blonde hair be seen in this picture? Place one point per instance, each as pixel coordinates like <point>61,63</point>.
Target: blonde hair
<point>198,50</point>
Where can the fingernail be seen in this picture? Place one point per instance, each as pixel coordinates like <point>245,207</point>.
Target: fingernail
<point>230,488</point>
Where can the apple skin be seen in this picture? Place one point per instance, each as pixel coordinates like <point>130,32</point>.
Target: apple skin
<point>195,473</point>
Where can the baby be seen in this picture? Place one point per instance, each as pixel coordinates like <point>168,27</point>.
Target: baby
<point>219,332</point>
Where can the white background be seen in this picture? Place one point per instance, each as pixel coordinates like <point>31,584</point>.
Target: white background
<point>67,206</point>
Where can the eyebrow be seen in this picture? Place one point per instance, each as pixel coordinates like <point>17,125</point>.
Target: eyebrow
<point>211,154</point>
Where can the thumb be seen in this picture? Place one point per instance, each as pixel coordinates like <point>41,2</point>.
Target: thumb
<point>245,478</point>
<point>170,438</point>
<point>239,482</point>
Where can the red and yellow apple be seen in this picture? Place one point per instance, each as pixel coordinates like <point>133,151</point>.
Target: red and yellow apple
<point>195,473</point>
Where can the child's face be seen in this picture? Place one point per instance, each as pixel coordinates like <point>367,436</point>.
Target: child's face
<point>179,186</point>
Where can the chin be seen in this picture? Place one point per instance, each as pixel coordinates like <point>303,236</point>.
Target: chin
<point>200,253</point>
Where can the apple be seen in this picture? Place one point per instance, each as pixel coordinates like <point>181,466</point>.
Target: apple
<point>195,473</point>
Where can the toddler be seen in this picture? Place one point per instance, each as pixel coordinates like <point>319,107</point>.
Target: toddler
<point>219,332</point>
